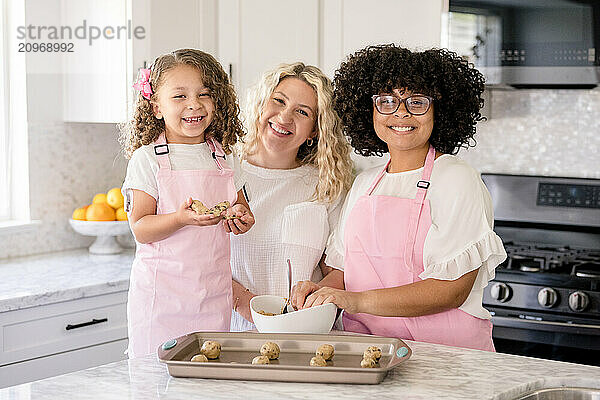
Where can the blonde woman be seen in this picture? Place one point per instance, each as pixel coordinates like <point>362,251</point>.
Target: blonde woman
<point>297,170</point>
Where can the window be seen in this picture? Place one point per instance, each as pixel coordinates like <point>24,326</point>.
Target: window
<point>4,156</point>
<point>14,174</point>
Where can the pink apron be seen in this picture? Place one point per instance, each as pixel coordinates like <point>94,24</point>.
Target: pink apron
<point>384,248</point>
<point>182,283</point>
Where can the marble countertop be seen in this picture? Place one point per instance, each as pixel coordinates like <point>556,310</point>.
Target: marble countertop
<point>67,275</point>
<point>433,372</point>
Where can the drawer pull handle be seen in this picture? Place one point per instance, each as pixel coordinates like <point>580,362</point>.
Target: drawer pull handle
<point>92,322</point>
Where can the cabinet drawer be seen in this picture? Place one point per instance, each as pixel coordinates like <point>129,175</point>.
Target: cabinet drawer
<point>62,363</point>
<point>40,331</point>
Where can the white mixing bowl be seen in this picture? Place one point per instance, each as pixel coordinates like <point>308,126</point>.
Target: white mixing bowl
<point>318,319</point>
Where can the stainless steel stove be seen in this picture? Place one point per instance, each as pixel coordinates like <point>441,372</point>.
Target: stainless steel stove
<point>545,299</point>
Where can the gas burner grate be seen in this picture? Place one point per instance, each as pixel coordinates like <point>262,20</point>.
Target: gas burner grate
<point>587,269</point>
<point>537,258</point>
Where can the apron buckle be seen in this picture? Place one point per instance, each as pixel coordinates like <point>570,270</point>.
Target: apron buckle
<point>161,149</point>
<point>423,184</point>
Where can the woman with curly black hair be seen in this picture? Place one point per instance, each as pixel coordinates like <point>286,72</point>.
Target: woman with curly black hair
<point>415,239</point>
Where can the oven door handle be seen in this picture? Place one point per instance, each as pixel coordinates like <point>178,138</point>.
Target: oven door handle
<point>552,326</point>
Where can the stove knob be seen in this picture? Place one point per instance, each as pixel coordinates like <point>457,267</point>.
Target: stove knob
<point>547,297</point>
<point>500,292</point>
<point>578,301</point>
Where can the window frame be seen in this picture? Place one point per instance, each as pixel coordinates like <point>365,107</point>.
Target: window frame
<point>5,201</point>
<point>14,133</point>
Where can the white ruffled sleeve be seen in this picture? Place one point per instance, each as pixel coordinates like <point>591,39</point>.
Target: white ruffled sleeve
<point>461,238</point>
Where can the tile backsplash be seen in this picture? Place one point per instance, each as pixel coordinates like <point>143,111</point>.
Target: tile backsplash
<point>68,164</point>
<point>539,132</point>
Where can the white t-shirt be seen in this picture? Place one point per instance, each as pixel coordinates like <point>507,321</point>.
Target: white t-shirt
<point>143,165</point>
<point>461,237</point>
<point>288,225</point>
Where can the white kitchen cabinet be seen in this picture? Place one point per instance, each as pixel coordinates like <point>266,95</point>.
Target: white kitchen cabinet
<point>350,25</point>
<point>248,38</point>
<point>97,79</point>
<point>254,36</point>
<point>97,74</point>
<point>53,339</point>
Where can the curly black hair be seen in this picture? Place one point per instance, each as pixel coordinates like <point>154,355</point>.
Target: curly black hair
<point>455,85</point>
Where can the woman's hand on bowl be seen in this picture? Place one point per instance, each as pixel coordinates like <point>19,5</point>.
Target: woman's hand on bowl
<point>348,301</point>
<point>300,291</point>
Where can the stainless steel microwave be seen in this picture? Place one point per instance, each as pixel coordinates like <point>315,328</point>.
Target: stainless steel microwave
<point>528,43</point>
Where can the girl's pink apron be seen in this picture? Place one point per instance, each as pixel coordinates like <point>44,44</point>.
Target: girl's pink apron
<point>384,248</point>
<point>182,283</point>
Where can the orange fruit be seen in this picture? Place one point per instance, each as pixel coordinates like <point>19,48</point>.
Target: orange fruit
<point>100,212</point>
<point>79,214</point>
<point>99,198</point>
<point>121,214</point>
<point>114,198</point>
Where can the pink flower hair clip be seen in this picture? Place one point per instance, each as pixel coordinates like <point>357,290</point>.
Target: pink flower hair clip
<point>142,84</point>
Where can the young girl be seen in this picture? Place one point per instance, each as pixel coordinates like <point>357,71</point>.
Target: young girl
<point>416,238</point>
<point>184,125</point>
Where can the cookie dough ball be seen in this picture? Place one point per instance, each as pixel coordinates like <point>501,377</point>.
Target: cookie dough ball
<point>325,351</point>
<point>199,207</point>
<point>318,361</point>
<point>211,349</point>
<point>260,360</point>
<point>368,362</point>
<point>199,358</point>
<point>219,208</point>
<point>372,352</point>
<point>270,350</point>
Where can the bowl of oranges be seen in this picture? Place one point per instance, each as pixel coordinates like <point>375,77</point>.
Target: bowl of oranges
<point>104,218</point>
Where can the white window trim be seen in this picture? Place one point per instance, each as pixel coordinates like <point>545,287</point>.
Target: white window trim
<point>16,113</point>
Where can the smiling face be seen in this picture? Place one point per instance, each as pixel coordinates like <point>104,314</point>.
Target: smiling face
<point>401,130</point>
<point>185,104</point>
<point>287,121</point>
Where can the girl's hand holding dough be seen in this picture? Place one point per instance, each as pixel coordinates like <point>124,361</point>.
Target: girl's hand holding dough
<point>238,219</point>
<point>186,216</point>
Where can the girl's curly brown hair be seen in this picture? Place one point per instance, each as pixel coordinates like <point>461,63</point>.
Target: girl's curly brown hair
<point>455,85</point>
<point>226,126</point>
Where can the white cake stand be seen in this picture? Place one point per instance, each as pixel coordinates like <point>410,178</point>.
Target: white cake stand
<point>105,232</point>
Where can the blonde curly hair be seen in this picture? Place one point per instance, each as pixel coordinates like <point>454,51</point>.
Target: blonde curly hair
<point>226,127</point>
<point>331,154</point>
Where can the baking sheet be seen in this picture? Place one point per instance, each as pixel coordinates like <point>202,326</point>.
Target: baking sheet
<point>239,348</point>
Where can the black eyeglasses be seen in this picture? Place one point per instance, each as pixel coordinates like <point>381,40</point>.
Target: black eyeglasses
<point>388,104</point>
